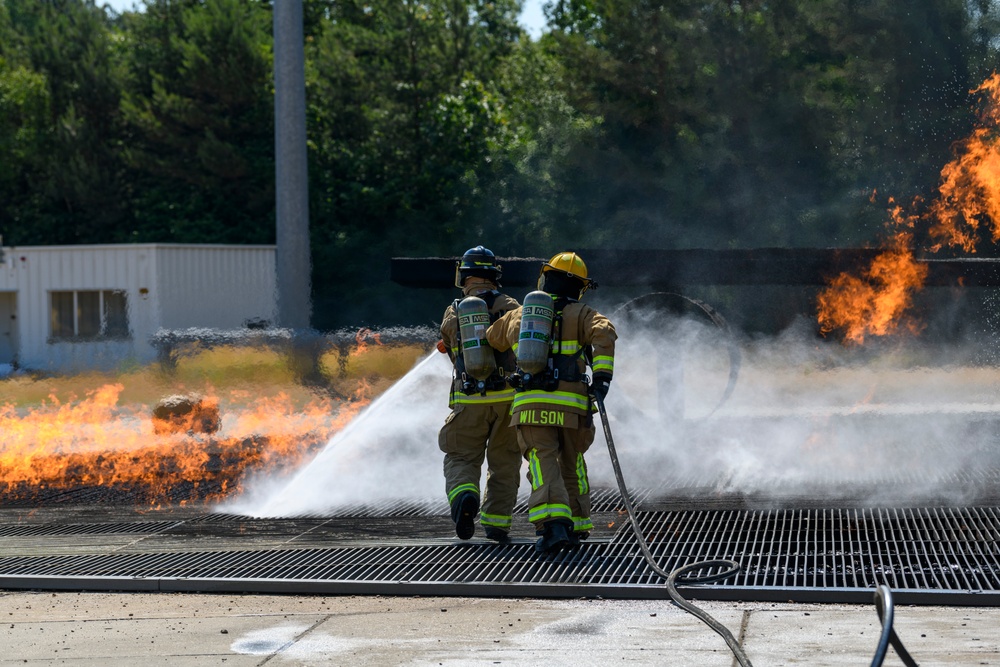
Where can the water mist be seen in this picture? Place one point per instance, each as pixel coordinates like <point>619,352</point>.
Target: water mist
<point>806,420</point>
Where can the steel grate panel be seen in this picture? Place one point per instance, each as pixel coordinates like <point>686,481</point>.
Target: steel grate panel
<point>814,555</point>
<point>133,528</point>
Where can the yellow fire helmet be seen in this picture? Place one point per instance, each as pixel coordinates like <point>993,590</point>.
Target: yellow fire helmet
<point>562,266</point>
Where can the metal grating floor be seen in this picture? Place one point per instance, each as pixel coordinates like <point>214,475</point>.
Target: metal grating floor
<point>925,555</point>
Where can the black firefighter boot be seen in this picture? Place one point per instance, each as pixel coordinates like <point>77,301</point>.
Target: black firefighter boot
<point>497,534</point>
<point>463,512</point>
<point>555,536</point>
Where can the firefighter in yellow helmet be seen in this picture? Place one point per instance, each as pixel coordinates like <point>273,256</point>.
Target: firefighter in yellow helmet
<point>553,407</point>
<point>480,399</point>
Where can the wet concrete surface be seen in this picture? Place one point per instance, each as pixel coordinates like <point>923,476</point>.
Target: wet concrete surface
<point>42,628</point>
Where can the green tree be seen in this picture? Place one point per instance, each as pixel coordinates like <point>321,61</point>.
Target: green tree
<point>199,111</point>
<point>401,110</point>
<point>436,125</point>
<point>62,80</point>
<point>528,198</point>
<point>24,116</point>
<point>759,123</point>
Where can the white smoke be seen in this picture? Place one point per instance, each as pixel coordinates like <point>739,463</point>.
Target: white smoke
<point>808,419</point>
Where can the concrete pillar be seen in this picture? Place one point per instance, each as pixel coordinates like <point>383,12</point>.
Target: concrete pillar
<point>291,167</point>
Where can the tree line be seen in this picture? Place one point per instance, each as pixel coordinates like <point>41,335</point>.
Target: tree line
<point>435,125</point>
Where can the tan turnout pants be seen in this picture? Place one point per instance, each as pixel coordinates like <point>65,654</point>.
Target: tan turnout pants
<point>470,434</point>
<point>560,488</point>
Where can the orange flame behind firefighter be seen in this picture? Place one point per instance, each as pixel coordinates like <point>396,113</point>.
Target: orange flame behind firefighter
<point>874,303</point>
<point>969,194</point>
<point>876,300</point>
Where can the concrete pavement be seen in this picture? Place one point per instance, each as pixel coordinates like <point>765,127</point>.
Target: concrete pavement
<point>111,629</point>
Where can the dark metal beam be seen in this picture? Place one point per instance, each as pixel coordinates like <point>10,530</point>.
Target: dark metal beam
<point>668,269</point>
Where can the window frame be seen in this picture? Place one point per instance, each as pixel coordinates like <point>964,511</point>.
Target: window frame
<point>104,322</point>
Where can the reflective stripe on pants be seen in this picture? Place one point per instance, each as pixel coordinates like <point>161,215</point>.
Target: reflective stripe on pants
<point>557,472</point>
<point>470,434</point>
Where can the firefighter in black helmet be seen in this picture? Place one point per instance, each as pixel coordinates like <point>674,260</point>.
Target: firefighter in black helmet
<point>478,426</point>
<point>553,407</point>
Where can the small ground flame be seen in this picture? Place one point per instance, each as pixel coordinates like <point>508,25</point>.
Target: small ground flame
<point>875,301</point>
<point>360,338</point>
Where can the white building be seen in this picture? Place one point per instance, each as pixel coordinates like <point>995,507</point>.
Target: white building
<point>69,308</point>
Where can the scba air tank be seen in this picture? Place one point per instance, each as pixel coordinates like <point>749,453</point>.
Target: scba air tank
<point>473,320</point>
<point>535,338</point>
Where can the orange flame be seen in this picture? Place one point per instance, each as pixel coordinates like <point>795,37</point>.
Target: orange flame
<point>969,194</point>
<point>94,442</point>
<point>876,302</point>
<point>363,334</point>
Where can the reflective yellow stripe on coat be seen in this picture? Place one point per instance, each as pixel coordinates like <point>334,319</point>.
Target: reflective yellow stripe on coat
<point>491,397</point>
<point>563,399</point>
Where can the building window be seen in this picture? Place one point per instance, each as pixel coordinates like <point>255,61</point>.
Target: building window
<point>89,315</point>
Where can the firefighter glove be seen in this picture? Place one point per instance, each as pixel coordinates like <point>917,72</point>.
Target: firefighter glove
<point>602,383</point>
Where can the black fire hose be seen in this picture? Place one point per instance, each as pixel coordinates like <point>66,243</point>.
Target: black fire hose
<point>884,607</point>
<point>672,577</point>
<point>883,595</point>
